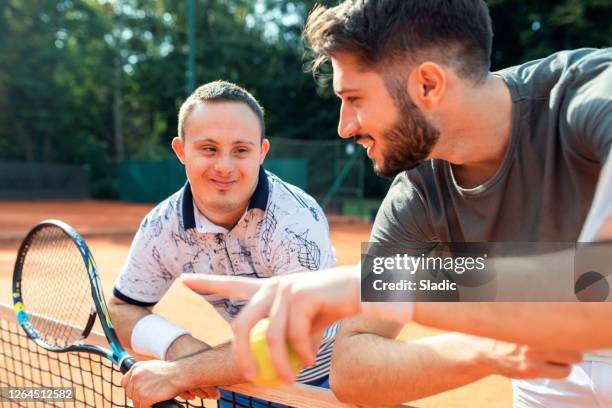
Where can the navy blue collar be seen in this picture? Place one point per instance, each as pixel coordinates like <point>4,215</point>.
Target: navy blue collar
<point>259,199</point>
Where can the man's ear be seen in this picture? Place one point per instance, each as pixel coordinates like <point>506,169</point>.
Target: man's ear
<point>427,85</point>
<point>265,148</point>
<point>179,149</point>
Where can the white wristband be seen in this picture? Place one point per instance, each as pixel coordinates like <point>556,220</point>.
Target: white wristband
<point>152,335</point>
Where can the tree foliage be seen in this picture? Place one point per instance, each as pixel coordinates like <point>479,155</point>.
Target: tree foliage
<point>63,63</point>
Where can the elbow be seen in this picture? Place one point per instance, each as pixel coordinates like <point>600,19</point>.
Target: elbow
<point>112,307</point>
<point>116,308</point>
<point>114,302</point>
<point>340,390</point>
<point>342,382</point>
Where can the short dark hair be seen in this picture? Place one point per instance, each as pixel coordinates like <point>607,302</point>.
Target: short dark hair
<point>220,91</point>
<point>383,33</point>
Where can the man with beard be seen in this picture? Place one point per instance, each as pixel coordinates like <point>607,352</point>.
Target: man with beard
<point>512,155</point>
<point>508,156</point>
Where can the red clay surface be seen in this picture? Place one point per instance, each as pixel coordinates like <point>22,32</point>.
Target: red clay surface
<point>109,226</point>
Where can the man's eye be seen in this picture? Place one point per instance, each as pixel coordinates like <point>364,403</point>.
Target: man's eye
<point>352,99</point>
<point>208,149</point>
<point>242,150</point>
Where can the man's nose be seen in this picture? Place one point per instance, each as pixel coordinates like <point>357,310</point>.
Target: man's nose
<point>224,164</point>
<point>348,124</point>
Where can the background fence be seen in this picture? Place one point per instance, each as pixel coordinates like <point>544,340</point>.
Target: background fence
<point>333,172</point>
<point>26,181</point>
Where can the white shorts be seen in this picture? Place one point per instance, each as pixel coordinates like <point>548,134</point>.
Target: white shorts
<point>588,385</point>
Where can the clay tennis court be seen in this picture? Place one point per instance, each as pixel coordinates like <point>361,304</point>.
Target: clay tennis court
<point>108,228</point>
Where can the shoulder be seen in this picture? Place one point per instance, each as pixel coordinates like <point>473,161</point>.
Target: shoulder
<point>404,214</point>
<point>590,80</point>
<point>164,217</point>
<point>568,92</point>
<point>293,234</point>
<point>293,217</point>
<point>288,202</point>
<point>585,106</point>
<point>543,78</point>
<point>410,188</point>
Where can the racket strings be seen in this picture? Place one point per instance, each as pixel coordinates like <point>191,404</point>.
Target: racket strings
<point>55,287</point>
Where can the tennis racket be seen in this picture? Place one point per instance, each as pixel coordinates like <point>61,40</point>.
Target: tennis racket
<point>57,295</point>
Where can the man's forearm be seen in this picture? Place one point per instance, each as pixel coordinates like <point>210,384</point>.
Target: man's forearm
<point>562,326</point>
<point>412,370</point>
<point>185,346</point>
<point>213,367</point>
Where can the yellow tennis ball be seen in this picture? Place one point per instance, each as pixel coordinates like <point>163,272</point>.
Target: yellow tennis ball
<point>266,374</point>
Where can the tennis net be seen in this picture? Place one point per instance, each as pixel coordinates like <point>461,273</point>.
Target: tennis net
<point>96,382</point>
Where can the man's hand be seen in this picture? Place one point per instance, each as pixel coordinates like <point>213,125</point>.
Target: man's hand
<point>149,382</point>
<point>299,306</point>
<point>522,362</point>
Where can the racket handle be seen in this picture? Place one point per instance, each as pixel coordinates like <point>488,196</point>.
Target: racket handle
<point>126,364</point>
<point>168,404</point>
<point>125,367</point>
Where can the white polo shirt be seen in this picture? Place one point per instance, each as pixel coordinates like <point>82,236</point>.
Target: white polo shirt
<point>283,231</point>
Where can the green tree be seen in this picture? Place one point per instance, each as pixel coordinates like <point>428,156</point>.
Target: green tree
<point>64,64</point>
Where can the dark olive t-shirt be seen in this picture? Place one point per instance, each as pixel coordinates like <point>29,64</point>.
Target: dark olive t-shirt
<point>561,137</point>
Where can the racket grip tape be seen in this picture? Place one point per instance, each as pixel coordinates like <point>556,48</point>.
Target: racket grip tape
<point>168,404</point>
<point>126,364</point>
<point>125,367</point>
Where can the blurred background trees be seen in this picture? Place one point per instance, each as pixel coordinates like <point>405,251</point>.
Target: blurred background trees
<point>94,82</point>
